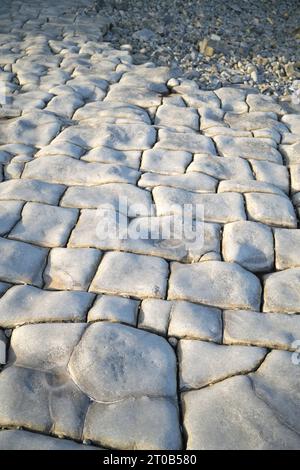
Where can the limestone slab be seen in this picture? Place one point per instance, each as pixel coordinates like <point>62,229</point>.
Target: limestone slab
<point>271,209</point>
<point>115,309</point>
<point>287,248</point>
<point>282,291</point>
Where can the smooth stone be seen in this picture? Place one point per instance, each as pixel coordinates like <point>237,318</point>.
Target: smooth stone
<point>154,315</point>
<point>248,147</point>
<point>134,423</point>
<point>196,182</point>
<point>71,268</point>
<point>31,190</point>
<point>24,440</point>
<point>188,141</point>
<point>45,225</point>
<point>230,416</point>
<point>188,320</point>
<point>215,283</point>
<point>246,186</point>
<point>22,304</point>
<point>249,244</point>
<point>271,209</point>
<point>30,270</point>
<point>130,158</point>
<point>221,168</point>
<point>10,213</point>
<point>282,291</point>
<point>114,309</point>
<point>202,363</point>
<point>273,173</point>
<point>113,362</point>
<point>287,248</point>
<point>169,162</point>
<point>129,274</point>
<point>270,330</point>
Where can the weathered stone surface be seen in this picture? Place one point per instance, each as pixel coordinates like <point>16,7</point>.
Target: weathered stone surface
<point>169,162</point>
<point>196,182</point>
<point>256,149</point>
<point>287,248</point>
<point>112,112</point>
<point>117,136</point>
<point>254,120</point>
<point>188,320</point>
<point>45,225</point>
<point>109,195</point>
<point>29,271</point>
<point>202,363</point>
<point>258,102</point>
<point>224,285</point>
<point>188,141</point>
<point>154,315</point>
<point>277,383</point>
<point>271,209</point>
<point>291,153</point>
<point>68,170</point>
<point>71,268</point>
<point>168,116</point>
<point>134,423</point>
<point>232,99</point>
<point>114,309</point>
<point>245,186</point>
<point>31,190</point>
<point>218,208</point>
<point>130,158</point>
<point>24,440</point>
<point>221,168</point>
<point>229,415</point>
<point>282,291</point>
<point>10,213</point>
<point>295,178</point>
<point>22,304</point>
<point>113,362</point>
<point>261,329</point>
<point>249,244</point>
<point>130,274</point>
<point>271,173</point>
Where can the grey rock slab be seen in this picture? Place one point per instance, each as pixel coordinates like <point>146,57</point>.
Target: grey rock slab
<point>202,363</point>
<point>271,209</point>
<point>115,309</point>
<point>71,268</point>
<point>120,137</point>
<point>112,195</point>
<point>277,383</point>
<point>270,330</point>
<point>269,133</point>
<point>282,291</point>
<point>211,117</point>
<point>258,102</point>
<point>154,315</point>
<point>65,104</point>
<point>25,440</point>
<point>67,170</point>
<point>130,274</point>
<point>45,225</point>
<point>61,148</point>
<point>221,168</point>
<point>130,158</point>
<point>291,153</point>
<point>169,162</point>
<point>230,416</point>
<point>287,248</point>
<point>197,98</point>
<point>141,97</point>
<point>188,141</point>
<point>273,173</point>
<point>215,283</point>
<point>196,182</point>
<point>168,115</point>
<point>245,147</point>
<point>28,304</point>
<point>188,320</point>
<point>254,120</point>
<point>46,347</point>
<point>24,399</point>
<point>112,112</point>
<point>292,121</point>
<point>218,208</point>
<point>113,362</point>
<point>31,190</point>
<point>247,186</point>
<point>4,286</point>
<point>222,130</point>
<point>295,178</point>
<point>249,244</point>
<point>232,99</point>
<point>134,423</point>
<point>33,128</point>
<point>21,263</point>
<point>10,213</point>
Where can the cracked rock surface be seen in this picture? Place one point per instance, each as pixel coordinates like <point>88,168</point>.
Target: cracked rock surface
<point>117,329</point>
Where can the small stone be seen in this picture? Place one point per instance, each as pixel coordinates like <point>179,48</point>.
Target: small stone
<point>282,291</point>
<point>129,274</point>
<point>154,315</point>
<point>114,309</point>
